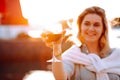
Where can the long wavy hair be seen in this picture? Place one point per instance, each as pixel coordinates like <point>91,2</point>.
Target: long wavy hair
<point>103,41</point>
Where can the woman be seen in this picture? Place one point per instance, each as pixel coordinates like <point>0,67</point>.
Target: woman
<point>93,59</point>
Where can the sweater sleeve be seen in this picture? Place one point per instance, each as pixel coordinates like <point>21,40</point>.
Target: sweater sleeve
<point>69,68</point>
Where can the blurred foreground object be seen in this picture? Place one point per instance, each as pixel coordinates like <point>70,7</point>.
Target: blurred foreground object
<point>115,23</point>
<point>19,56</point>
<point>11,13</point>
<point>115,33</point>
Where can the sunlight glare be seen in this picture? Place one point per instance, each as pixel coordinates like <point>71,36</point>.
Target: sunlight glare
<point>34,33</point>
<point>39,75</point>
<point>55,28</point>
<point>43,12</point>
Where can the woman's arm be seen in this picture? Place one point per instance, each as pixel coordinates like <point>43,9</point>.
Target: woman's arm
<point>58,71</point>
<point>57,67</point>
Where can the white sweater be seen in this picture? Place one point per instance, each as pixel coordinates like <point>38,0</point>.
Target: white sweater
<point>110,64</point>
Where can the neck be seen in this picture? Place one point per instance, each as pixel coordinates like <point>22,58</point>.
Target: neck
<point>93,48</point>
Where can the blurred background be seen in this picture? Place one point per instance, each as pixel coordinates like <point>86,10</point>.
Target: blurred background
<point>23,54</point>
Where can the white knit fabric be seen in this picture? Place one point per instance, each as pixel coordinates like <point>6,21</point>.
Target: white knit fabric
<point>110,64</point>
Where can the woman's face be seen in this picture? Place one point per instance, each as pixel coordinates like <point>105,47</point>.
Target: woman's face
<point>91,28</point>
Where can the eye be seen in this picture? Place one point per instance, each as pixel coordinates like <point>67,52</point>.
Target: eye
<point>87,23</point>
<point>97,24</point>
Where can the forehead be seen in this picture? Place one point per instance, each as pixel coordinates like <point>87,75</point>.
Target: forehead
<point>92,17</point>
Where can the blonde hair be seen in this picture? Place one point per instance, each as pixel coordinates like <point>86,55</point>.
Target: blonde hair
<point>103,42</point>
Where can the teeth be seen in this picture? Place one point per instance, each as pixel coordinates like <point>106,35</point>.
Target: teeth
<point>91,34</point>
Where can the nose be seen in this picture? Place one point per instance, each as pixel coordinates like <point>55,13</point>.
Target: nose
<point>91,28</point>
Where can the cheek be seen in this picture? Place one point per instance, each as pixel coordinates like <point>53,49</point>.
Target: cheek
<point>83,29</point>
<point>100,31</point>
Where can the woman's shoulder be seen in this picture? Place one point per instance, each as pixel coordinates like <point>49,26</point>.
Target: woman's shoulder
<point>115,49</point>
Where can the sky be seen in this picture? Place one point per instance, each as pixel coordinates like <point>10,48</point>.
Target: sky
<point>40,12</point>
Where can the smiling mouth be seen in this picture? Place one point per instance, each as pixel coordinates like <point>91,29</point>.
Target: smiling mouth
<point>89,34</point>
